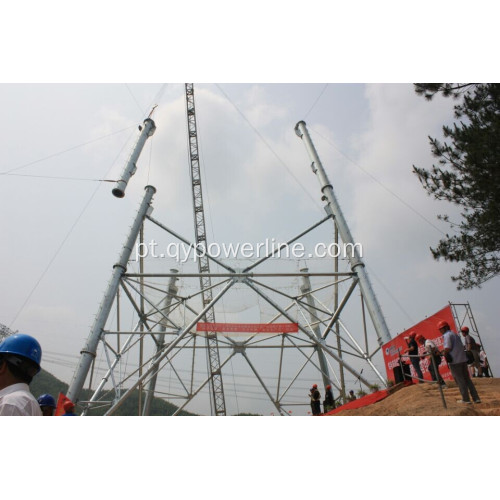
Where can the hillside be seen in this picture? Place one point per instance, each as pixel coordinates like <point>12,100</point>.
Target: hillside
<point>45,382</point>
<point>425,400</point>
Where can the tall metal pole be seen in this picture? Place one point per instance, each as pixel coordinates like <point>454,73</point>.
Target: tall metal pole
<point>141,326</point>
<point>305,289</point>
<point>160,343</point>
<point>337,325</point>
<point>147,130</point>
<point>353,255</point>
<point>88,353</point>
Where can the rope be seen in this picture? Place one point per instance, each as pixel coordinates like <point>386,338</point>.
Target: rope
<point>134,98</point>
<point>414,210</point>
<point>316,101</point>
<point>67,150</point>
<point>271,149</point>
<point>68,234</point>
<point>61,178</point>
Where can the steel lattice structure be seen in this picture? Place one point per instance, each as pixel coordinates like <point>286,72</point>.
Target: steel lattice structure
<point>217,389</point>
<point>166,320</point>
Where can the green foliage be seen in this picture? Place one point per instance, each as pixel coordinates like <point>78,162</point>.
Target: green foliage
<point>45,383</point>
<point>361,393</point>
<point>374,387</point>
<point>429,90</point>
<point>468,175</point>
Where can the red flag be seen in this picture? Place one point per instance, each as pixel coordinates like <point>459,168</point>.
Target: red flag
<point>60,402</point>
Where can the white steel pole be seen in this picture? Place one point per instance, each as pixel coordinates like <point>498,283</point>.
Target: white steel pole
<point>88,353</point>
<point>306,289</point>
<point>355,260</point>
<point>160,344</point>
<point>147,130</point>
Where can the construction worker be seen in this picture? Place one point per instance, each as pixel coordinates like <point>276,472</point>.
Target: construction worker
<point>473,348</point>
<point>47,405</point>
<point>453,351</point>
<point>484,363</point>
<point>69,409</point>
<point>412,352</point>
<point>329,402</point>
<point>432,353</point>
<point>20,357</point>
<point>315,400</point>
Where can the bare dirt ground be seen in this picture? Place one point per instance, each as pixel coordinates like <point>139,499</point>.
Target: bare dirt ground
<point>425,400</point>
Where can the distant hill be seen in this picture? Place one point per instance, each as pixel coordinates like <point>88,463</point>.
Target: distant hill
<point>45,382</point>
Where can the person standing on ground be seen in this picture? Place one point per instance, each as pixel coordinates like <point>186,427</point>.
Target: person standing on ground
<point>47,405</point>
<point>20,357</point>
<point>484,363</point>
<point>432,354</point>
<point>472,347</point>
<point>329,402</point>
<point>412,352</point>
<point>315,400</point>
<point>454,353</point>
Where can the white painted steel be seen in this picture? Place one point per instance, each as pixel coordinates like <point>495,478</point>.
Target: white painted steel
<point>160,344</point>
<point>355,260</point>
<point>306,289</point>
<point>88,353</point>
<point>147,130</point>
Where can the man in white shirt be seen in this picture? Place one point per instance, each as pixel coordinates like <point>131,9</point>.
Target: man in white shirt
<point>434,358</point>
<point>457,361</point>
<point>20,357</point>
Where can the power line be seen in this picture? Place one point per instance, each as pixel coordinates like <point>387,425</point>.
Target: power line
<point>57,177</point>
<point>59,248</point>
<point>66,150</point>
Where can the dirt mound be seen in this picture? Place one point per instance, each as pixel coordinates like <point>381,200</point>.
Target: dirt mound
<point>425,400</point>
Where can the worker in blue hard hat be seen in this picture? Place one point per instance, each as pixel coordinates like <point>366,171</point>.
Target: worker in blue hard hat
<point>20,357</point>
<point>47,405</point>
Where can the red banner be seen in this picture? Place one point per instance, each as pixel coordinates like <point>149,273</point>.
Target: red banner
<point>428,328</point>
<point>248,327</point>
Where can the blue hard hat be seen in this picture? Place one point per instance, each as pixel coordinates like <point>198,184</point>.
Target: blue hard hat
<point>22,345</point>
<point>46,400</point>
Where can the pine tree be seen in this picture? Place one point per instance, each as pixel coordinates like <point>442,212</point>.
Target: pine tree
<point>468,175</point>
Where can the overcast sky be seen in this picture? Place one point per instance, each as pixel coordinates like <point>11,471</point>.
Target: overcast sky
<point>65,230</point>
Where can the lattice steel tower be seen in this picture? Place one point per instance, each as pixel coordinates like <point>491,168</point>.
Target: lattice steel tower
<point>216,386</point>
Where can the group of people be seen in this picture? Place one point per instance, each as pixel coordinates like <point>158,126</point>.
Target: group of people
<point>456,356</point>
<point>328,402</point>
<point>431,353</point>
<point>20,358</point>
<point>315,396</point>
<point>48,406</point>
